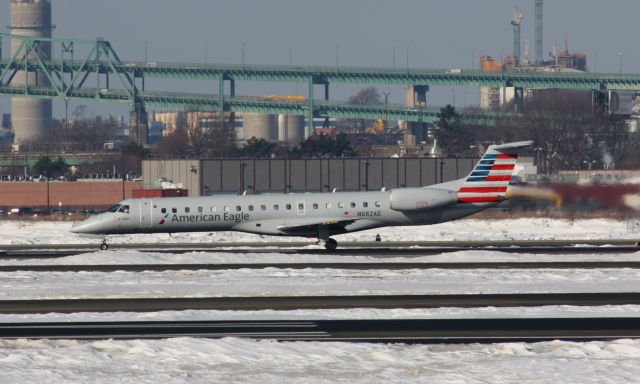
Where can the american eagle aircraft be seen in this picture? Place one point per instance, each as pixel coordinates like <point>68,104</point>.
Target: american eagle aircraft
<point>319,215</point>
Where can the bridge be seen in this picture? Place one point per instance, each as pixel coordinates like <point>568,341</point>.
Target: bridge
<point>100,65</point>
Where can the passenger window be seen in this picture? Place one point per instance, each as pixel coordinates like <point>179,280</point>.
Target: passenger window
<point>275,207</point>
<point>238,208</point>
<point>213,209</point>
<point>226,208</point>
<point>300,205</point>
<point>263,207</point>
<point>200,210</point>
<point>353,205</point>
<point>163,210</point>
<point>315,205</point>
<point>174,210</point>
<point>341,205</point>
<point>251,207</point>
<point>365,204</point>
<point>187,210</point>
<point>289,206</point>
<point>378,204</point>
<point>328,205</point>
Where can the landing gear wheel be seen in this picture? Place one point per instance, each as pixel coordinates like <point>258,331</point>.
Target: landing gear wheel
<point>104,246</point>
<point>331,244</point>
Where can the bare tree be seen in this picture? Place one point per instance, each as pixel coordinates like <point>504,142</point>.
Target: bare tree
<point>200,135</point>
<point>366,96</point>
<point>84,135</point>
<point>566,132</point>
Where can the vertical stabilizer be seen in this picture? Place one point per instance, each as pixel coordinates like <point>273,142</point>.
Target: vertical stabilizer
<point>488,181</point>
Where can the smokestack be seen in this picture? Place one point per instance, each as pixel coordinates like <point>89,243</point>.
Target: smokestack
<point>31,118</point>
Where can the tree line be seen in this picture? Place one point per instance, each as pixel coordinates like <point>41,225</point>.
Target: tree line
<point>566,131</point>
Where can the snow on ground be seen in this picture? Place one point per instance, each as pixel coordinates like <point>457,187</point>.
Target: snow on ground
<point>230,360</point>
<point>34,232</point>
<point>29,285</point>
<point>125,257</point>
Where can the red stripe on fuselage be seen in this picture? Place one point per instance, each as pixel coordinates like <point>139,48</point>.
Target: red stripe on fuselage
<point>483,199</point>
<point>483,189</point>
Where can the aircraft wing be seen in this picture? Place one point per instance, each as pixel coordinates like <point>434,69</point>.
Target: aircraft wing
<point>311,226</point>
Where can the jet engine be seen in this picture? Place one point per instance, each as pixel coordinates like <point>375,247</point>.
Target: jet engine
<point>418,199</point>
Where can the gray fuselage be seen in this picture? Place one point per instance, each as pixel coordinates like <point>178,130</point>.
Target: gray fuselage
<point>272,214</point>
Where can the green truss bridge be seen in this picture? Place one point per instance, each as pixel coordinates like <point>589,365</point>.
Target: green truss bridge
<point>91,69</point>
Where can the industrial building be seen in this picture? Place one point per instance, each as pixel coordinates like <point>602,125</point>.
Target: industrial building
<point>224,176</point>
<point>31,118</point>
<point>290,129</point>
<point>495,98</point>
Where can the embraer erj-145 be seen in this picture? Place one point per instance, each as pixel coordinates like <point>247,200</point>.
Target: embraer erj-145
<point>319,215</point>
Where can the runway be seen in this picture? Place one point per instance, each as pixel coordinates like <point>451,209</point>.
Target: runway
<point>385,331</point>
<point>321,265</point>
<point>282,303</point>
<point>382,249</point>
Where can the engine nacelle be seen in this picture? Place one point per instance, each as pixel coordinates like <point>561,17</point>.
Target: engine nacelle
<point>419,199</point>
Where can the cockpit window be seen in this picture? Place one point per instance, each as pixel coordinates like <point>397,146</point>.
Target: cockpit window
<point>114,208</point>
<point>124,209</point>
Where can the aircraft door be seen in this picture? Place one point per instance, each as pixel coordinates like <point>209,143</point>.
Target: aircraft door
<point>146,213</point>
<point>300,208</point>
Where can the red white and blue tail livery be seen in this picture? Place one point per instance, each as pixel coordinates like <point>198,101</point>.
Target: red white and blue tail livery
<point>488,181</point>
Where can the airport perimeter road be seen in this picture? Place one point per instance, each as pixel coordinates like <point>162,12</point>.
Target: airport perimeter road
<point>386,331</point>
<point>315,265</point>
<point>315,302</point>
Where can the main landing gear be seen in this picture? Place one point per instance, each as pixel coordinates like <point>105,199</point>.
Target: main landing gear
<point>330,244</point>
<point>104,246</point>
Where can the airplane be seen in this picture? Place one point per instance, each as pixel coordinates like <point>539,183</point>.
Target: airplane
<point>316,215</point>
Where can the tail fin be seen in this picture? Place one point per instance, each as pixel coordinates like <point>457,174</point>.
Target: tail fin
<point>488,181</point>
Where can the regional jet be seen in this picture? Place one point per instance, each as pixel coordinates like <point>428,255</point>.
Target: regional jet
<point>316,215</point>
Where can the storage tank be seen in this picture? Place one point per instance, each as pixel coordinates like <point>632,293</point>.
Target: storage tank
<point>30,117</point>
<point>291,129</point>
<point>260,126</point>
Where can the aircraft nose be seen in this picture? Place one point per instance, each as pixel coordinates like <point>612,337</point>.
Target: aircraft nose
<point>91,225</point>
<point>80,227</point>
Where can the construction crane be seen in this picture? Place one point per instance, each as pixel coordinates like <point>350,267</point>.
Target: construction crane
<point>517,18</point>
<point>539,57</point>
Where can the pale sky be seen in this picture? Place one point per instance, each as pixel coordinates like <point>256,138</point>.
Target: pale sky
<point>439,34</point>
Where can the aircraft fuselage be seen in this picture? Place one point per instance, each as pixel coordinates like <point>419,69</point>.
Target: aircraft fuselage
<point>265,214</point>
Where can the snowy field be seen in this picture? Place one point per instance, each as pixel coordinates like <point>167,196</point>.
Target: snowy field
<point>310,282</point>
<point>195,361</point>
<point>188,360</point>
<point>33,232</point>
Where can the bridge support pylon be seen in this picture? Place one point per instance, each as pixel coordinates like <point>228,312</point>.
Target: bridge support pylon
<point>139,123</point>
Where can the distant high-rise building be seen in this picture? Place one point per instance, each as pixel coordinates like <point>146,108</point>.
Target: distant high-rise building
<point>493,98</point>
<point>566,59</point>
